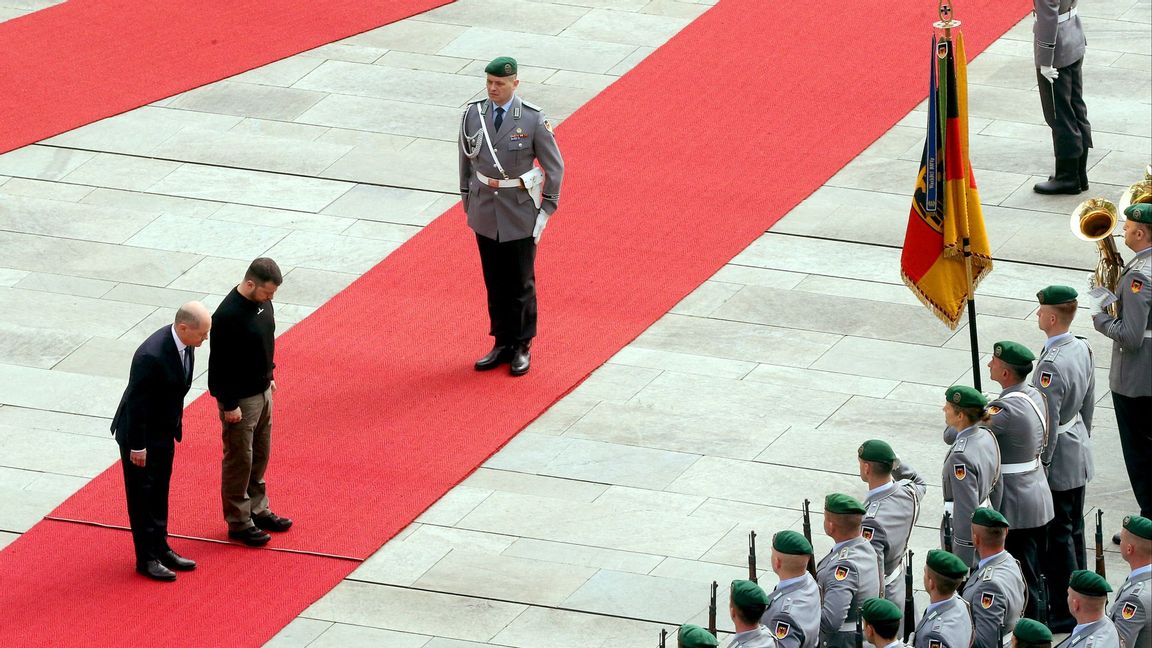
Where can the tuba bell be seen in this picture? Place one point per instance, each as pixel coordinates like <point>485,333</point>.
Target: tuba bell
<point>1094,220</point>
<point>1141,192</point>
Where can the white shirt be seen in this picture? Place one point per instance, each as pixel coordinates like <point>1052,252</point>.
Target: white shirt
<point>1054,339</point>
<point>983,561</point>
<point>880,489</point>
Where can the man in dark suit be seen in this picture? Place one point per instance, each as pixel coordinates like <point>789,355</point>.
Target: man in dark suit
<point>147,426</point>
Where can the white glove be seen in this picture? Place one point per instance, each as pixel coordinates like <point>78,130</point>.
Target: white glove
<point>1049,73</point>
<point>1101,298</point>
<point>541,221</point>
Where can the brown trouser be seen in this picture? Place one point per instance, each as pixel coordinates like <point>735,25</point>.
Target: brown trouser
<point>247,444</point>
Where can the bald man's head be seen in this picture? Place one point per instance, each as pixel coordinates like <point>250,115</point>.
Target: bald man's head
<point>193,321</point>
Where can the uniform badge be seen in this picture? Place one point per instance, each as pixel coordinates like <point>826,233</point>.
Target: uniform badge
<point>1129,611</point>
<point>1045,378</point>
<point>873,509</point>
<point>1137,285</point>
<point>868,532</point>
<point>993,410</point>
<point>841,573</point>
<point>960,471</point>
<point>782,629</point>
<point>987,599</point>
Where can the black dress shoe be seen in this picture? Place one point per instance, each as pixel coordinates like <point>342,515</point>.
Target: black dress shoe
<point>176,562</point>
<point>521,360</point>
<point>497,356</point>
<point>272,522</point>
<point>251,536</point>
<point>1066,180</point>
<point>156,571</point>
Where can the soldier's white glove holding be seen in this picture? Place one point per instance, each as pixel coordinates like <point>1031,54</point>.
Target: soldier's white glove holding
<point>1101,298</point>
<point>541,221</point>
<point>1049,73</point>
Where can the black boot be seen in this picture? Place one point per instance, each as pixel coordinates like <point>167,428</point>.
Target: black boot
<point>521,359</point>
<point>1066,180</point>
<point>1082,171</point>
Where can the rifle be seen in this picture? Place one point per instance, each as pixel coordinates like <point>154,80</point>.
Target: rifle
<point>663,638</point>
<point>712,611</point>
<point>1100,544</point>
<point>947,531</point>
<point>909,600</point>
<point>808,537</point>
<point>859,631</point>
<point>1042,601</point>
<point>752,556</point>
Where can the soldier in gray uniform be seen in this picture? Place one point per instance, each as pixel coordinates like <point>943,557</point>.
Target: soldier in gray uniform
<point>1087,596</point>
<point>747,602</point>
<point>1031,634</point>
<point>1132,611</point>
<point>971,467</point>
<point>892,506</point>
<point>848,575</point>
<point>947,622</point>
<point>1064,376</point>
<point>793,613</point>
<point>1018,419</point>
<point>995,594</point>
<point>882,621</point>
<point>1059,52</point>
<point>508,201</point>
<point>1130,377</point>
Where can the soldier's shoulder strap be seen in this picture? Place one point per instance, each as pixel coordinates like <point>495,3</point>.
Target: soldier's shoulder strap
<point>531,106</point>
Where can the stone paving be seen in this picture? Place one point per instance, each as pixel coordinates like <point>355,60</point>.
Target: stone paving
<point>606,519</point>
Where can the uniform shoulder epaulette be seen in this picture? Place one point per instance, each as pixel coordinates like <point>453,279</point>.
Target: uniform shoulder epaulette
<point>476,101</point>
<point>958,447</point>
<point>532,106</point>
<point>873,509</point>
<point>1051,354</point>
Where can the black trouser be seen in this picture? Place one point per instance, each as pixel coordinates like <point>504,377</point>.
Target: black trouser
<point>1028,546</point>
<point>1064,111</point>
<point>147,492</point>
<point>1065,550</point>
<point>510,277</point>
<point>1132,416</point>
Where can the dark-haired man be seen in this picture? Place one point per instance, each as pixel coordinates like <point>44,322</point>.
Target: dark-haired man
<point>747,603</point>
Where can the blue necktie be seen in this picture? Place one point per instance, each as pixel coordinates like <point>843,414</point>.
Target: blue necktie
<point>499,118</point>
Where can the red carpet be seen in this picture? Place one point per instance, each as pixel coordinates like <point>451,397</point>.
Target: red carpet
<point>672,171</point>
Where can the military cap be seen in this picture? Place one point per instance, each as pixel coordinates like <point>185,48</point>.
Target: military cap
<point>876,450</point>
<point>1029,630</point>
<point>878,609</point>
<point>965,396</point>
<point>1013,353</point>
<point>1053,295</point>
<point>841,503</point>
<point>1138,526</point>
<point>946,564</point>
<point>502,66</point>
<point>987,517</point>
<point>693,636</point>
<point>745,593</point>
<point>1140,212</point>
<point>791,543</point>
<point>1089,583</point>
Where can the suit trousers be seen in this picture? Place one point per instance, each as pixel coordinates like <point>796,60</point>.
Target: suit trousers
<point>247,446</point>
<point>1028,547</point>
<point>1065,550</point>
<point>1064,111</point>
<point>510,278</point>
<point>146,489</point>
<point>1132,416</point>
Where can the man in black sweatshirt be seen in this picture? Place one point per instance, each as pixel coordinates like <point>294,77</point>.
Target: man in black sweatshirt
<point>240,379</point>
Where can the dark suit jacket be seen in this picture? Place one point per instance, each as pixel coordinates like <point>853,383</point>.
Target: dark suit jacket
<point>152,408</point>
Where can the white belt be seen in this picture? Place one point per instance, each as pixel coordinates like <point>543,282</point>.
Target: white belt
<point>1064,17</point>
<point>1148,334</point>
<point>891,578</point>
<point>1064,427</point>
<point>849,626</point>
<point>1017,468</point>
<point>494,183</point>
<point>1007,640</point>
<point>950,507</point>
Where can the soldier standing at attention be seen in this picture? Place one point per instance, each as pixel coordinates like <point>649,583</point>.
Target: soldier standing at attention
<point>793,613</point>
<point>1018,419</point>
<point>1065,377</point>
<point>891,508</point>
<point>1059,53</point>
<point>1031,634</point>
<point>508,201</point>
<point>971,467</point>
<point>1131,611</point>
<point>882,621</point>
<point>996,591</point>
<point>947,622</point>
<point>747,602</point>
<point>1087,596</point>
<point>848,575</point>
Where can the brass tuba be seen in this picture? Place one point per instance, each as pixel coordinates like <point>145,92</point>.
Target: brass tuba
<point>1094,220</point>
<point>1141,192</point>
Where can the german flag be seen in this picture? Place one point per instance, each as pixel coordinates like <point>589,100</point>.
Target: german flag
<point>945,224</point>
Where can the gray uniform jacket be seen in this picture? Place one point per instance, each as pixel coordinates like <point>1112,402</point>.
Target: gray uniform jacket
<point>946,626</point>
<point>888,524</point>
<point>971,468</point>
<point>1101,634</point>
<point>793,614</point>
<point>847,576</point>
<point>1018,420</point>
<point>758,638</point>
<point>1064,376</point>
<point>1130,612</point>
<point>1131,333</point>
<point>1057,43</point>
<point>507,213</point>
<point>995,594</point>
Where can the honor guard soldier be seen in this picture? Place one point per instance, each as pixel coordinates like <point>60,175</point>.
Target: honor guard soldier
<point>882,621</point>
<point>1131,611</point>
<point>1065,377</point>
<point>1018,418</point>
<point>1031,634</point>
<point>848,575</point>
<point>1130,377</point>
<point>947,622</point>
<point>693,636</point>
<point>793,614</point>
<point>747,603</point>
<point>891,508</point>
<point>1087,596</point>
<point>971,467</point>
<point>995,594</point>
<point>1059,53</point>
<point>508,201</point>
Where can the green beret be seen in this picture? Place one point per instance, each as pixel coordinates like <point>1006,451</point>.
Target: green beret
<point>1053,295</point>
<point>987,517</point>
<point>502,66</point>
<point>1013,353</point>
<point>1029,630</point>
<point>841,503</point>
<point>693,636</point>
<point>791,543</point>
<point>946,564</point>
<point>878,609</point>
<point>876,450</point>
<point>745,593</point>
<point>965,396</point>
<point>1138,526</point>
<point>1140,212</point>
<point>1089,583</point>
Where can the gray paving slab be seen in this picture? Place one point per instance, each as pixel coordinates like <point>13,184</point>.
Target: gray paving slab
<point>415,35</point>
<point>429,62</point>
<point>279,129</point>
<point>395,84</point>
<point>569,554</point>
<point>139,131</point>
<point>35,347</point>
<point>283,73</point>
<point>332,252</point>
<point>63,284</point>
<point>154,204</point>
<point>650,30</point>
<point>251,188</point>
<point>209,237</point>
<point>564,629</point>
<point>282,218</point>
<point>538,485</point>
<point>67,313</point>
<point>70,220</point>
<point>384,116</point>
<point>33,419</point>
<point>343,635</point>
<point>299,633</point>
<point>640,596</point>
<point>506,578</point>
<point>703,301</point>
<point>59,453</point>
<point>735,340</point>
<point>875,358</point>
<point>42,162</point>
<point>44,189</point>
<point>530,17</point>
<point>426,164</point>
<point>248,100</point>
<point>245,150</point>
<point>121,172</point>
<point>30,495</point>
<point>561,53</point>
<point>99,356</point>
